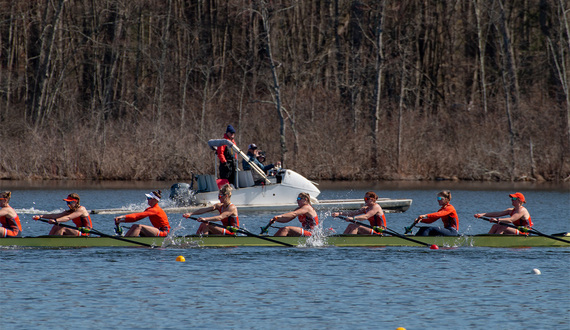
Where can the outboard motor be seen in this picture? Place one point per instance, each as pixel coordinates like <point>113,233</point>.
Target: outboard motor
<point>182,194</point>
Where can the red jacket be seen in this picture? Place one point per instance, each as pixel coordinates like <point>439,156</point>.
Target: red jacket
<point>221,151</point>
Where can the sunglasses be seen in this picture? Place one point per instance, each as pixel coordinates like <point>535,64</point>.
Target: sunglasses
<point>299,198</point>
<point>220,196</point>
<point>69,202</point>
<point>440,198</point>
<point>514,198</point>
<point>367,198</point>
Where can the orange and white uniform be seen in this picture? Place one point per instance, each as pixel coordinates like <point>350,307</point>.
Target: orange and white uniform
<point>307,224</point>
<point>83,221</point>
<point>522,223</point>
<point>157,218</point>
<point>229,221</point>
<point>377,220</point>
<point>12,226</point>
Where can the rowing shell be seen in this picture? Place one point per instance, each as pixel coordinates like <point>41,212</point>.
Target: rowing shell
<point>499,241</point>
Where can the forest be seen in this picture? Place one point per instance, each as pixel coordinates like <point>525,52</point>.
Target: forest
<point>334,89</point>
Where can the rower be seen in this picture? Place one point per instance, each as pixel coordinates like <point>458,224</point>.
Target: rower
<point>371,211</point>
<point>304,212</point>
<point>9,219</point>
<point>76,213</point>
<point>518,215</point>
<point>446,213</point>
<point>228,215</point>
<point>160,225</point>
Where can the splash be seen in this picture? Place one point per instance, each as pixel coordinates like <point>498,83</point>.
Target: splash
<point>319,237</point>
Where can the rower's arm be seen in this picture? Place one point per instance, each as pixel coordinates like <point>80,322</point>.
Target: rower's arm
<point>367,215</point>
<point>69,216</point>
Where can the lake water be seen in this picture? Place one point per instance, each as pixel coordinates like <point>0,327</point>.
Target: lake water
<point>269,288</point>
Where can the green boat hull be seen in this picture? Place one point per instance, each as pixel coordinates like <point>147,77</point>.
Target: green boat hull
<point>499,241</point>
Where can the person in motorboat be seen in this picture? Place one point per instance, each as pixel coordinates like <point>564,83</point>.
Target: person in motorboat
<point>304,212</point>
<point>9,220</point>
<point>227,157</point>
<point>76,213</point>
<point>446,213</point>
<point>228,215</point>
<point>158,218</point>
<point>518,215</point>
<point>371,211</point>
<point>253,156</point>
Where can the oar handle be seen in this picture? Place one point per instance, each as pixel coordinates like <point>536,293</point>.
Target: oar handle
<point>265,230</point>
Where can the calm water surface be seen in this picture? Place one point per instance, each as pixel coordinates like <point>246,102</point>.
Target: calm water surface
<point>309,287</point>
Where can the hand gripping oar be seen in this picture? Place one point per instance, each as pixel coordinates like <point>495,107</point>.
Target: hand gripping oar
<point>265,230</point>
<point>245,232</point>
<point>409,228</point>
<point>389,231</point>
<point>96,232</point>
<point>525,229</point>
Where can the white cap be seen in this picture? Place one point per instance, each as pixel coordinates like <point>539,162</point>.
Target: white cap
<point>152,195</point>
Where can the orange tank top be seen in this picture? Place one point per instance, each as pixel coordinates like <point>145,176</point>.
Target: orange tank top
<point>308,222</point>
<point>231,220</point>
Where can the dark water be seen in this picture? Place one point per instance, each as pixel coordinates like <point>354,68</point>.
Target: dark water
<point>310,287</point>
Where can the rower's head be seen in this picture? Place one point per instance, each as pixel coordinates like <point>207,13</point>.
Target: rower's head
<point>225,193</point>
<point>5,198</point>
<point>153,197</point>
<point>444,197</point>
<point>72,201</point>
<point>517,198</point>
<point>370,196</point>
<point>304,198</point>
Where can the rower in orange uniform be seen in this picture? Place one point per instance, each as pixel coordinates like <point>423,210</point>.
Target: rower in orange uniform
<point>228,214</point>
<point>371,212</point>
<point>304,212</point>
<point>9,219</point>
<point>76,213</point>
<point>160,225</point>
<point>517,215</point>
<point>447,214</point>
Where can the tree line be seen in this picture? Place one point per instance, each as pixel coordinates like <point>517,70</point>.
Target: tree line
<point>335,89</point>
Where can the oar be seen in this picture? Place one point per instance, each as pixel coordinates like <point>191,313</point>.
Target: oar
<point>265,230</point>
<point>96,232</point>
<point>409,228</point>
<point>245,232</point>
<point>389,231</point>
<point>526,230</point>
